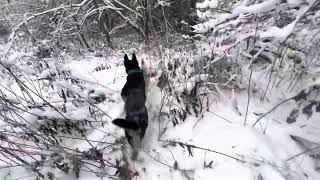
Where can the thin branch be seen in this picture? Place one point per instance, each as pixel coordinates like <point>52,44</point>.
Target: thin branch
<point>128,8</point>
<point>272,109</point>
<point>251,72</point>
<point>206,149</point>
<point>171,167</point>
<point>33,16</point>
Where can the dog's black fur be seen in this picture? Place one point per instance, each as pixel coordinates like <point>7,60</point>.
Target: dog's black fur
<point>134,95</point>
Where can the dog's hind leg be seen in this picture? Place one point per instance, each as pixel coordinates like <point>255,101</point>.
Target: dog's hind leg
<point>129,138</point>
<point>135,151</point>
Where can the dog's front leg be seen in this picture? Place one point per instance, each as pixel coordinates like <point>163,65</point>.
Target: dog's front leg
<point>124,93</point>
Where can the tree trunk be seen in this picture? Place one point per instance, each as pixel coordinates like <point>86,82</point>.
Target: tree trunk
<point>103,21</point>
<point>147,18</point>
<point>83,40</point>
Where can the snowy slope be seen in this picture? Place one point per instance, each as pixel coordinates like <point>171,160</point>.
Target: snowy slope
<point>258,62</point>
<point>215,146</point>
<point>264,149</point>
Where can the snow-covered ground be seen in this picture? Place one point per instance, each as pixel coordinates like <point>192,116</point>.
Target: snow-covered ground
<point>269,132</point>
<point>216,145</point>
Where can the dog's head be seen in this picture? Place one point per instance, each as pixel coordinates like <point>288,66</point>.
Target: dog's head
<point>131,65</point>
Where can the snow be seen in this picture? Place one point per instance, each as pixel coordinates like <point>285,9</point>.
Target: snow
<point>212,132</point>
<point>276,32</point>
<point>208,4</point>
<point>294,3</point>
<point>283,33</point>
<point>264,154</point>
<point>270,173</point>
<point>217,144</point>
<point>211,23</point>
<point>266,5</point>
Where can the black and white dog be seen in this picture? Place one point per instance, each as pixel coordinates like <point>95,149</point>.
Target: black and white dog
<point>134,95</point>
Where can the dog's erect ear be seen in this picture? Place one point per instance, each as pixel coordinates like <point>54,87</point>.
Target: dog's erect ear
<point>126,59</point>
<point>134,59</point>
<point>125,124</point>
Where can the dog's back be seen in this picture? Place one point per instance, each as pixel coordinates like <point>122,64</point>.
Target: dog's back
<point>136,112</point>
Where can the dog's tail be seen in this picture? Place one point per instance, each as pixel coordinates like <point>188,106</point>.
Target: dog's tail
<point>126,124</point>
